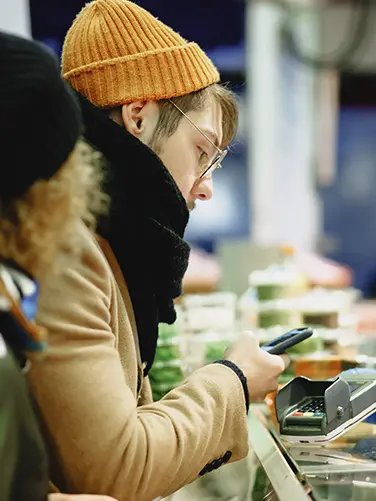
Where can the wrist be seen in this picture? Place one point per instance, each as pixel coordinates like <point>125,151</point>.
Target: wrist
<point>241,376</point>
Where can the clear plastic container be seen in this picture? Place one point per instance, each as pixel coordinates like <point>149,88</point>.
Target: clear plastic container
<point>248,311</point>
<point>203,312</point>
<point>280,281</point>
<point>207,319</point>
<point>281,312</point>
<point>329,308</point>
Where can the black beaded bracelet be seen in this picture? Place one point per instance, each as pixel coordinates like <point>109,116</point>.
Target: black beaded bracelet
<point>240,375</point>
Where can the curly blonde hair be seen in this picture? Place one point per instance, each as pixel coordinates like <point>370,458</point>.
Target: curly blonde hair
<point>36,226</point>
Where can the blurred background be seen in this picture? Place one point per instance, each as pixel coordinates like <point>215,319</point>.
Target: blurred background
<point>295,200</point>
<point>303,168</point>
<point>289,238</point>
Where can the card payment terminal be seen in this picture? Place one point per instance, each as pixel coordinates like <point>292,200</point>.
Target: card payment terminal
<point>317,412</point>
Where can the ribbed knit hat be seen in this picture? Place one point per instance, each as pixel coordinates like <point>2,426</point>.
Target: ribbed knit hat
<point>40,119</point>
<point>116,52</point>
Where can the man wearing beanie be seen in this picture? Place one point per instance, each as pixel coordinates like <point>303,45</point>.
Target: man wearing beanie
<point>153,107</point>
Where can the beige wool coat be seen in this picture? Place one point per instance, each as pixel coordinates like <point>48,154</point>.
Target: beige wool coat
<point>105,434</point>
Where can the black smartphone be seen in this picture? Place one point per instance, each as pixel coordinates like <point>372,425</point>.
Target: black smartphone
<point>291,338</point>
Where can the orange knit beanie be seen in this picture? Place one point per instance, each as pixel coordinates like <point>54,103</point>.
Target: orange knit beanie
<point>116,52</point>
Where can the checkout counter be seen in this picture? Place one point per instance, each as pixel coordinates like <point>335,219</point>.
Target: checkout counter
<point>344,470</point>
<point>296,467</point>
<point>278,299</point>
<point>276,470</point>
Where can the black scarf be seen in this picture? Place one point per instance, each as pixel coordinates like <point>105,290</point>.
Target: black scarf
<point>146,225</point>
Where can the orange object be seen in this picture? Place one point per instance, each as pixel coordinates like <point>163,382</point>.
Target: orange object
<point>116,52</point>
<point>288,250</point>
<point>323,367</point>
<point>270,401</point>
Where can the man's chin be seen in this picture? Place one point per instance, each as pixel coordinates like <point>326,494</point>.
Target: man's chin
<point>191,206</point>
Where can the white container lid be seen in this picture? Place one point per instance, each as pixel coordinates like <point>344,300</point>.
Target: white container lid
<point>321,301</point>
<point>274,275</point>
<point>278,305</point>
<point>221,299</point>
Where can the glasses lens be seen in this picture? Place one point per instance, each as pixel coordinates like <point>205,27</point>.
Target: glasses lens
<point>216,164</point>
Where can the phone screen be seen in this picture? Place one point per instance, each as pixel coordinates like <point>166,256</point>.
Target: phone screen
<point>354,386</point>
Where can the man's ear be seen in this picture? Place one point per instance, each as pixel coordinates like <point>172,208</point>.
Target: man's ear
<point>140,118</point>
<point>133,117</point>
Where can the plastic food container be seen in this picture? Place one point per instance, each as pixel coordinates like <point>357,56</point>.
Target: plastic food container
<point>328,309</point>
<point>320,366</point>
<point>278,282</point>
<point>279,313</point>
<point>248,311</point>
<point>205,312</point>
<point>208,325</point>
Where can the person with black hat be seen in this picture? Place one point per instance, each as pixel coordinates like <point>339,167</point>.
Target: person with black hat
<point>49,185</point>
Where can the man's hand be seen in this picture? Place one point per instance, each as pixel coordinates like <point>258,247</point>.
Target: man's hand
<point>78,497</point>
<point>261,369</point>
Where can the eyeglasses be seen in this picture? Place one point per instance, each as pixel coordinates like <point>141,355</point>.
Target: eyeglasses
<point>217,161</point>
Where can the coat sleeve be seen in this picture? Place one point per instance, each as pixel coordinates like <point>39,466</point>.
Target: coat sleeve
<point>103,442</point>
<point>23,458</point>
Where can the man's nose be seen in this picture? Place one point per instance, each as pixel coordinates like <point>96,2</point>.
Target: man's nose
<point>203,189</point>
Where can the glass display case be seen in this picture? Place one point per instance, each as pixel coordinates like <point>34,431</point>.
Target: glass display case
<point>344,470</point>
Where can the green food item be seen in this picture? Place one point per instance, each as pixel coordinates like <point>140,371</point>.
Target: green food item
<point>164,378</point>
<point>286,377</point>
<point>168,375</point>
<point>272,318</point>
<point>261,486</point>
<point>166,331</point>
<point>167,353</point>
<point>328,319</point>
<point>310,345</point>
<point>159,391</point>
<point>166,372</point>
<point>270,292</point>
<point>214,350</point>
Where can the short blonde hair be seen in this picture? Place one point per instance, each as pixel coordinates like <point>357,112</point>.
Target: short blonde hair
<point>170,117</point>
<point>36,226</point>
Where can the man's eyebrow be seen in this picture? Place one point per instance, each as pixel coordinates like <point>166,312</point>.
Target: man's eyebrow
<point>211,134</point>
